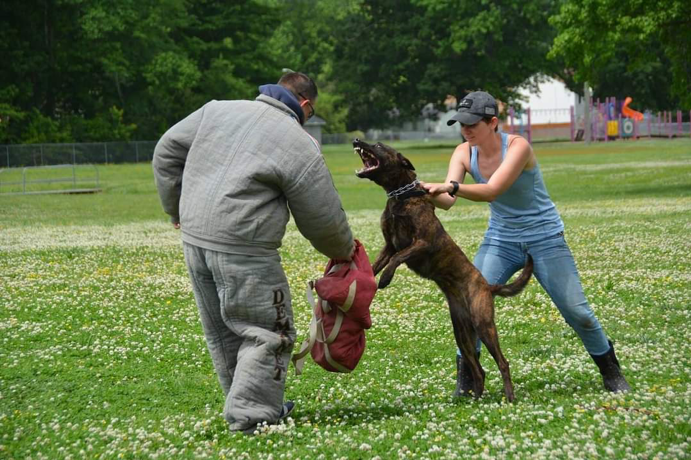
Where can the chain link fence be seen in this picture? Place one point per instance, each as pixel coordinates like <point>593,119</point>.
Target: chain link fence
<point>16,156</point>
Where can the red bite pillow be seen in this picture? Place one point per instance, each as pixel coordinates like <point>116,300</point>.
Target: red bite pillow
<point>350,286</point>
<point>340,314</point>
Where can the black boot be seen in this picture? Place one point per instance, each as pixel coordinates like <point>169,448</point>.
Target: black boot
<point>611,373</point>
<point>464,378</point>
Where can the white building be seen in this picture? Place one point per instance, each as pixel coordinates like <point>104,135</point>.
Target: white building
<point>551,103</point>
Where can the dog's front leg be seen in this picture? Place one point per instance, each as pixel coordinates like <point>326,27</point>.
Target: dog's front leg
<point>400,257</point>
<point>383,258</point>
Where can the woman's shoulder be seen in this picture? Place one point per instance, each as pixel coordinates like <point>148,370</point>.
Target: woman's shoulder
<point>462,152</point>
<point>462,149</point>
<point>515,139</point>
<point>519,145</point>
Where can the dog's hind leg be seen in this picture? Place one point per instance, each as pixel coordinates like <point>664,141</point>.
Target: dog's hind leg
<point>487,331</point>
<point>465,340</point>
<point>492,345</point>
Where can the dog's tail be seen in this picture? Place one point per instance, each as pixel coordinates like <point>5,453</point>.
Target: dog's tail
<point>508,290</point>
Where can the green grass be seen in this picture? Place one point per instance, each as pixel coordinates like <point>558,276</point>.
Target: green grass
<point>102,354</point>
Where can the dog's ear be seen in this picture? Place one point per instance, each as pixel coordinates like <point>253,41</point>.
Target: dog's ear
<point>405,162</point>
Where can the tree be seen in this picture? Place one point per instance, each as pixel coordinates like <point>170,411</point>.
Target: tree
<point>305,42</point>
<point>73,69</point>
<point>160,60</point>
<point>393,57</point>
<point>44,59</point>
<point>636,39</point>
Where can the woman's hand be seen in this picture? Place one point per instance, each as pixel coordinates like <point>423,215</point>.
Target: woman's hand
<point>436,189</point>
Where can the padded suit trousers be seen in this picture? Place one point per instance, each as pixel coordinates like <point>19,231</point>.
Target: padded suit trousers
<point>245,310</point>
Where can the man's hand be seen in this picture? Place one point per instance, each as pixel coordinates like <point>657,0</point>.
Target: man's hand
<point>176,225</point>
<point>352,254</point>
<point>349,258</point>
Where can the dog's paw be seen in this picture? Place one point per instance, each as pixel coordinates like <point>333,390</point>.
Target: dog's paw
<point>384,281</point>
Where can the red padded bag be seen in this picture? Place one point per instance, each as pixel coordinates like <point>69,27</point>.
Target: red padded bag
<point>340,314</point>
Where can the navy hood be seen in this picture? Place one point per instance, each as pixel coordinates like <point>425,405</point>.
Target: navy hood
<point>284,95</point>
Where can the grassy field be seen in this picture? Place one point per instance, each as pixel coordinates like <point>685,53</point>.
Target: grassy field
<point>102,354</point>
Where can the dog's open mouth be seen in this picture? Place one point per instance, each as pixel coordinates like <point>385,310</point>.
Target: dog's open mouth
<point>369,161</point>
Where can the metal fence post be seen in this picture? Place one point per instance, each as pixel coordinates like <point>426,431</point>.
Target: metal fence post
<point>606,119</point>
<point>650,128</point>
<point>7,148</point>
<point>74,154</point>
<point>587,104</point>
<point>105,149</point>
<point>136,152</point>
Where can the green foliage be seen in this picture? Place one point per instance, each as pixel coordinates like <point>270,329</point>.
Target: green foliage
<point>392,58</point>
<point>376,62</point>
<point>305,42</point>
<point>331,107</point>
<point>638,40</point>
<point>11,117</point>
<point>108,127</point>
<point>73,61</point>
<point>43,129</point>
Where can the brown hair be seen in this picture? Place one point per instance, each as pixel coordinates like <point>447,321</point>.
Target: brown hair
<point>300,85</point>
<point>488,120</point>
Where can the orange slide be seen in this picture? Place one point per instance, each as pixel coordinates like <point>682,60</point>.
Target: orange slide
<point>630,113</point>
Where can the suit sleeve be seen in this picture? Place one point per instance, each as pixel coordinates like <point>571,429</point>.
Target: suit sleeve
<point>318,212</point>
<point>169,160</point>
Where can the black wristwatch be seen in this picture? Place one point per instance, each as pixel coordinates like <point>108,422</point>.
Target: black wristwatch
<point>455,188</point>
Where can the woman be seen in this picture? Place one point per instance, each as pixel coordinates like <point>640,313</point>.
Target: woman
<point>523,220</point>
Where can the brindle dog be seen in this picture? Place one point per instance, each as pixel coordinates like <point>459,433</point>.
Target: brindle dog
<point>413,234</point>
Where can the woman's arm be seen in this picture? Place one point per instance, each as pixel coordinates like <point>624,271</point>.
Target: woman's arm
<point>518,155</point>
<point>457,170</point>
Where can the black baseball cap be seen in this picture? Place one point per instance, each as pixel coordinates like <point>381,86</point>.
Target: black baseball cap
<point>474,107</point>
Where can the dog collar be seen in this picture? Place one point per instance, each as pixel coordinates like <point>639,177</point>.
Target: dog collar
<point>407,191</point>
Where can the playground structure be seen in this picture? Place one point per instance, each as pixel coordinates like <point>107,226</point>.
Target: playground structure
<point>614,119</point>
<point>609,120</point>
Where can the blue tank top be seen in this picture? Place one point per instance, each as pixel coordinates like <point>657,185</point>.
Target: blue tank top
<point>524,212</point>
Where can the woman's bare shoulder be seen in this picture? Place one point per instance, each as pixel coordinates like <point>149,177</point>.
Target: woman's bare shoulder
<point>462,153</point>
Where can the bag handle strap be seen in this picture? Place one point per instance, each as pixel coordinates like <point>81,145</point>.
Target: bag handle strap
<point>318,334</point>
<point>298,358</point>
<point>327,355</point>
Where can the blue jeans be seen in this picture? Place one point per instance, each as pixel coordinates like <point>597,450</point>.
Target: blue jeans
<point>556,272</point>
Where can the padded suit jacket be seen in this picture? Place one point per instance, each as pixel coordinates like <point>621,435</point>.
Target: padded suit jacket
<point>230,171</point>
